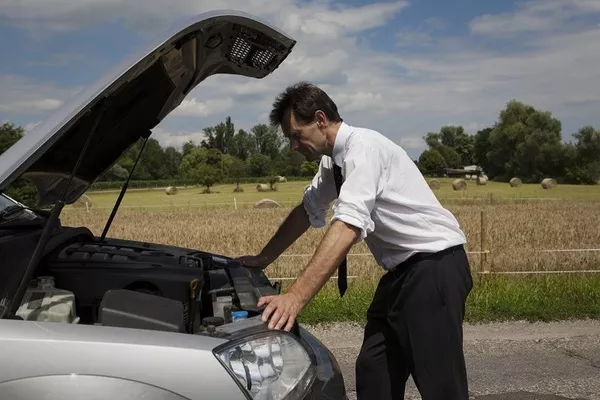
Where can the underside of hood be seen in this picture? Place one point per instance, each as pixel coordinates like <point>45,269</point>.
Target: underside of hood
<point>123,106</point>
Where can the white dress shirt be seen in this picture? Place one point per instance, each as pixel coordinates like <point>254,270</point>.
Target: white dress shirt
<point>384,194</point>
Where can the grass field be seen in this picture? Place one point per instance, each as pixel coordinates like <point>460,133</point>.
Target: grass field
<point>289,193</point>
<point>517,229</point>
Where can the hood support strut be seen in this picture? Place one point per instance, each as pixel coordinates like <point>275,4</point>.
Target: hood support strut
<point>51,223</point>
<point>123,190</point>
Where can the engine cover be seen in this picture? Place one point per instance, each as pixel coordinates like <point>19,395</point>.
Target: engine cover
<point>90,269</point>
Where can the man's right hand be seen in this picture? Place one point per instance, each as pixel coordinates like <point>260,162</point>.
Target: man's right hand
<point>257,261</point>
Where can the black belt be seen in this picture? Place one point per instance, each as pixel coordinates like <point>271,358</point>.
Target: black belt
<point>422,256</point>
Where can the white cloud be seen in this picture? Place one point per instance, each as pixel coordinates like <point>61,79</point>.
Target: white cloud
<point>190,107</point>
<point>533,16</point>
<point>411,142</point>
<point>25,96</point>
<point>177,138</point>
<point>402,94</point>
<point>30,126</point>
<point>319,18</point>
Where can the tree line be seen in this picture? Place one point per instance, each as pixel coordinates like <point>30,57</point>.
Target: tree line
<point>523,142</point>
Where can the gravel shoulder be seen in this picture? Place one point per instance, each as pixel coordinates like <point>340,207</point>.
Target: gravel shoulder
<point>554,360</point>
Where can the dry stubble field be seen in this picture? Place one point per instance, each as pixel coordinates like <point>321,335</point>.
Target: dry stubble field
<point>516,231</point>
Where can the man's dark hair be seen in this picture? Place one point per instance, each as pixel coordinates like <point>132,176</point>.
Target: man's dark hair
<point>303,99</point>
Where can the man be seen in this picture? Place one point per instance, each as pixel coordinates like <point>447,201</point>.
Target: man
<point>414,323</point>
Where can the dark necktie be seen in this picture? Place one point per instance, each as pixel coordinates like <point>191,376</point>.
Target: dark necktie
<point>342,270</point>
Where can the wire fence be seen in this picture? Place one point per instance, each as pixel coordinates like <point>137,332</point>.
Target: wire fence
<point>235,203</point>
<point>481,271</point>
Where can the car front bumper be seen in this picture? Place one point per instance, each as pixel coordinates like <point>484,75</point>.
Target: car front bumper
<point>329,382</point>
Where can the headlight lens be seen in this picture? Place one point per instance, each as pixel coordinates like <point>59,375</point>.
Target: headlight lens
<point>270,366</point>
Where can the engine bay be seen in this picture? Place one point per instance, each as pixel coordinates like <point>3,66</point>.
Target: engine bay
<point>140,285</point>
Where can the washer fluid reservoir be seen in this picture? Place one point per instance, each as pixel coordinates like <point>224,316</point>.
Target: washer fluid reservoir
<point>46,303</point>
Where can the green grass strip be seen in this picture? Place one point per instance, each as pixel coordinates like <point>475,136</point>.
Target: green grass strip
<point>493,299</point>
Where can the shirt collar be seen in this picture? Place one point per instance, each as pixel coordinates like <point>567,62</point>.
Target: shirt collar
<point>339,146</point>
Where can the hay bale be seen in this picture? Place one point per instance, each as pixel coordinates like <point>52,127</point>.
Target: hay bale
<point>281,179</point>
<point>266,203</point>
<point>482,180</point>
<point>459,184</point>
<point>515,182</point>
<point>549,183</point>
<point>434,184</point>
<point>83,202</point>
<point>171,190</point>
<point>262,187</point>
<point>468,177</point>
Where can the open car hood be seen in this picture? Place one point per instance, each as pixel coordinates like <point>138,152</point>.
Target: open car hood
<point>131,100</point>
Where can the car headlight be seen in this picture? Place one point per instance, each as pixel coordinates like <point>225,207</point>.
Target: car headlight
<point>269,366</point>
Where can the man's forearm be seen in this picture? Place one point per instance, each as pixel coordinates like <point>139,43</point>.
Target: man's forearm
<point>338,240</point>
<point>291,229</point>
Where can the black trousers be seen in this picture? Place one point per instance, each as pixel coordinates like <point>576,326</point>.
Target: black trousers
<point>414,327</point>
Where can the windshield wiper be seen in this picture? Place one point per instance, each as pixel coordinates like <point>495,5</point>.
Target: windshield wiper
<point>10,211</point>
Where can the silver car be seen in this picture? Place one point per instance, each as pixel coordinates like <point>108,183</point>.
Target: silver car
<point>96,317</point>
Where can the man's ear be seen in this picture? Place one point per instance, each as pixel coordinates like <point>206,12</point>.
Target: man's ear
<point>321,119</point>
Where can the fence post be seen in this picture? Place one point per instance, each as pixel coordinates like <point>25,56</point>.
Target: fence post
<point>483,245</point>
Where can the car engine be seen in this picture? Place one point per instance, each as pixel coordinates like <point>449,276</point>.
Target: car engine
<point>141,285</point>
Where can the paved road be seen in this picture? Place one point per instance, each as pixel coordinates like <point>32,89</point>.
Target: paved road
<point>506,361</point>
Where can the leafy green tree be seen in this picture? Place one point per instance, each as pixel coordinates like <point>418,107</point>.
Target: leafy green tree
<point>450,155</point>
<point>188,147</point>
<point>455,145</point>
<point>584,167</point>
<point>292,160</point>
<point>267,139</point>
<point>220,137</point>
<point>203,166</point>
<point>172,159</point>
<point>115,173</point>
<point>259,165</point>
<point>432,162</point>
<point>243,145</point>
<point>481,147</point>
<point>516,142</point>
<point>235,169</point>
<point>9,135</point>
<point>309,168</point>
<point>21,190</point>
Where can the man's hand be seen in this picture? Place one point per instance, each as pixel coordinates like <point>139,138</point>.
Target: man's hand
<point>282,310</point>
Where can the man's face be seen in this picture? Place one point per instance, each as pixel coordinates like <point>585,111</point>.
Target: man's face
<point>308,139</point>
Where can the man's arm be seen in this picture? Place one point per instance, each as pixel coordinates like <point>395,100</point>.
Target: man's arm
<point>351,223</point>
<point>289,231</point>
<point>311,212</point>
<point>336,243</point>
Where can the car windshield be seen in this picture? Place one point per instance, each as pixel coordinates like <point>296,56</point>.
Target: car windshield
<point>6,202</point>
<point>13,210</point>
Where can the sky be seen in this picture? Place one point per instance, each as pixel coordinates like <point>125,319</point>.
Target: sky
<point>403,68</point>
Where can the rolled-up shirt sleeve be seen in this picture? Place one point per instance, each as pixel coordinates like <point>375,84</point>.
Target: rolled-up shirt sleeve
<point>319,194</point>
<point>362,170</point>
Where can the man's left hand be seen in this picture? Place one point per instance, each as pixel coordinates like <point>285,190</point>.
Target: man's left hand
<point>281,310</point>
